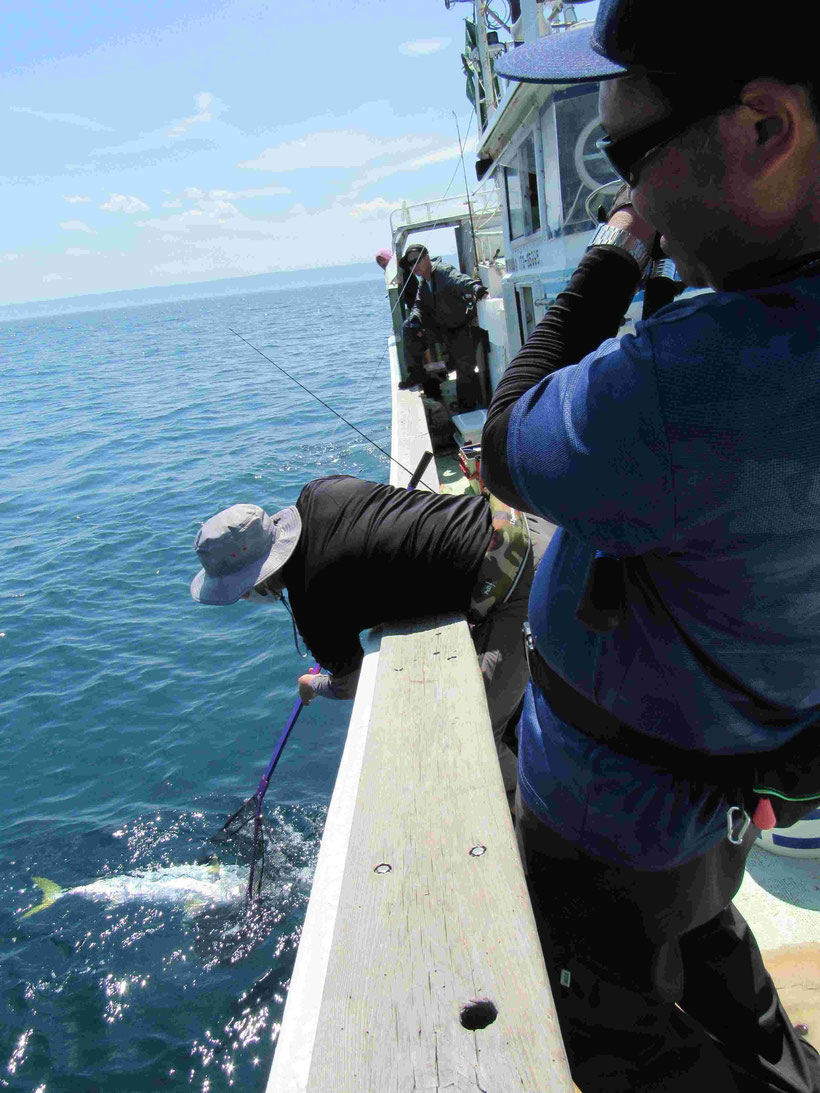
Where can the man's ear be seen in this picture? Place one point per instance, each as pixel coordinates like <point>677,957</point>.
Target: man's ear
<point>767,129</point>
<point>771,122</point>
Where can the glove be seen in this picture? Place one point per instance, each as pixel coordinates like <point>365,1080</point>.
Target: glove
<point>481,293</point>
<point>413,323</point>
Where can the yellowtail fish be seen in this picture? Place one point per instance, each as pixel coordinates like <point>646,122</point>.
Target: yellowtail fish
<point>191,886</point>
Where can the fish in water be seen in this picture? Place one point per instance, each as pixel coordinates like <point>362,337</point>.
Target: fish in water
<point>194,886</point>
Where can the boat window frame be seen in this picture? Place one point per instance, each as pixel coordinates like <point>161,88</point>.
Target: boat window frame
<point>582,223</point>
<point>525,303</point>
<point>524,165</point>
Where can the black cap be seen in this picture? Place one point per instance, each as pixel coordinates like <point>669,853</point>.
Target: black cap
<point>726,40</point>
<point>412,254</point>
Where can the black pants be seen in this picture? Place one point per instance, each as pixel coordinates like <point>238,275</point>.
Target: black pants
<point>459,344</point>
<point>657,978</point>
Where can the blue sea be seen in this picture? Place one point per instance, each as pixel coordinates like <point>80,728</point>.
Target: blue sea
<point>134,721</point>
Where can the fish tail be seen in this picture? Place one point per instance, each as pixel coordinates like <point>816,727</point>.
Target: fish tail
<point>51,892</point>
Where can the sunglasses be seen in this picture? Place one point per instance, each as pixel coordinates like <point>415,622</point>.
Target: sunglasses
<point>628,155</point>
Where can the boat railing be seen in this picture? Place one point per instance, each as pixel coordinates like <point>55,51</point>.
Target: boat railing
<point>442,211</point>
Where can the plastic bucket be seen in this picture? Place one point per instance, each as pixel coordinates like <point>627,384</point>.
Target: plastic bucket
<point>801,840</point>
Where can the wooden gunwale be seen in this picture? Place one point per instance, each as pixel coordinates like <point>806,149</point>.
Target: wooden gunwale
<point>419,902</point>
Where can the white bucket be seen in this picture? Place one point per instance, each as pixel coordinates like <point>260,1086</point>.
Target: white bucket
<point>801,840</point>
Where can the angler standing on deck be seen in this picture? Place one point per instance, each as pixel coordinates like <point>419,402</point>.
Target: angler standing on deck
<point>445,303</point>
<point>676,615</point>
<point>352,554</point>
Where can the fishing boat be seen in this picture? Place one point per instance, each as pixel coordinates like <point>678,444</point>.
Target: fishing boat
<point>419,964</point>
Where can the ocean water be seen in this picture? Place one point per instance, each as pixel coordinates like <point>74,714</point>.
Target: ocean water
<point>133,720</point>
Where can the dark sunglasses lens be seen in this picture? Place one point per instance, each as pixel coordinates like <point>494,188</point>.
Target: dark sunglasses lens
<point>620,164</point>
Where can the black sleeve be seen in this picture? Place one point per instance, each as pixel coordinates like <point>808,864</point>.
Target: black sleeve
<point>585,314</point>
<point>461,282</point>
<point>335,645</point>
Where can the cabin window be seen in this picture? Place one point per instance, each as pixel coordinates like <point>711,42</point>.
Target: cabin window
<point>581,166</point>
<point>521,181</point>
<point>526,311</point>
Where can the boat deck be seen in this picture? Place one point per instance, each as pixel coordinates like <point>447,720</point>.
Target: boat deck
<point>780,899</point>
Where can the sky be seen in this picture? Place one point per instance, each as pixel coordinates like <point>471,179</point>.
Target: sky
<point>160,143</point>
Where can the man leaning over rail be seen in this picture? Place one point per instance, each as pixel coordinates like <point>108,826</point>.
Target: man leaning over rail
<point>352,554</point>
<point>676,614</point>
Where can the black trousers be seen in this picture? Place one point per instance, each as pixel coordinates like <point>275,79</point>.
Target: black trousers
<point>459,343</point>
<point>657,978</point>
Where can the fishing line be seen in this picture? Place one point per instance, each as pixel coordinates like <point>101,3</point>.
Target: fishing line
<point>466,138</point>
<point>327,406</point>
<point>469,202</point>
<point>379,362</point>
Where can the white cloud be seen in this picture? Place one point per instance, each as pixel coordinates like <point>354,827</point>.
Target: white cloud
<point>209,108</point>
<point>236,244</point>
<point>76,226</point>
<point>440,155</point>
<point>423,47</point>
<point>335,148</point>
<point>53,277</point>
<point>75,199</point>
<point>9,256</point>
<point>77,252</point>
<point>125,203</point>
<point>194,193</point>
<point>416,163</point>
<point>69,119</point>
<point>367,210</point>
<point>203,101</point>
<point>206,216</point>
<point>259,191</point>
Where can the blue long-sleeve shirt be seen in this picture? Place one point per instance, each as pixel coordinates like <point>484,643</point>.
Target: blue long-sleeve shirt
<point>692,451</point>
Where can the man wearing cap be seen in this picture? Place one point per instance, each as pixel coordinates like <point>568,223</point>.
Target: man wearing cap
<point>445,303</point>
<point>352,554</point>
<point>676,615</point>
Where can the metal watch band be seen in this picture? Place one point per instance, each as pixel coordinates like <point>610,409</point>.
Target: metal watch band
<point>664,267</point>
<point>607,236</point>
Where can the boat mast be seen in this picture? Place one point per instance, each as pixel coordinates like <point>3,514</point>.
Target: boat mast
<point>480,11</point>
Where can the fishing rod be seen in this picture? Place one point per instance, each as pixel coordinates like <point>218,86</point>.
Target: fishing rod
<point>467,190</point>
<point>399,299</point>
<point>327,406</point>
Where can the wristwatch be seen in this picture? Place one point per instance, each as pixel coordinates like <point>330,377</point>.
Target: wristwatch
<point>607,236</point>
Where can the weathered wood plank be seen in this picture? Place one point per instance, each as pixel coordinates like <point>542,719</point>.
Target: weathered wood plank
<point>413,944</point>
<point>294,1048</point>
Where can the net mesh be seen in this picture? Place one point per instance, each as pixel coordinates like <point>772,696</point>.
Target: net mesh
<point>247,831</point>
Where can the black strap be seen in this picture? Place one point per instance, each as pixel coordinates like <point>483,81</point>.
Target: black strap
<point>593,721</point>
<point>789,775</point>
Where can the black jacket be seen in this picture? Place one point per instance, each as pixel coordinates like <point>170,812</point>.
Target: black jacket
<point>450,303</point>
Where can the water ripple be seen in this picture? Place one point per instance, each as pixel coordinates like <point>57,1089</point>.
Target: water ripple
<point>133,720</point>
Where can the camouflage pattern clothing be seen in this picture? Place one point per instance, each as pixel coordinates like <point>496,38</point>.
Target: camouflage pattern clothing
<point>503,561</point>
<point>498,610</point>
